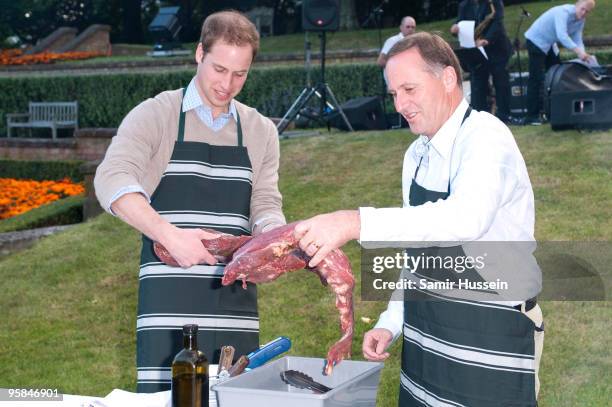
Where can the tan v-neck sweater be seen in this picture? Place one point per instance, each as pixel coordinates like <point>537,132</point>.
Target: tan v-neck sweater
<point>139,153</point>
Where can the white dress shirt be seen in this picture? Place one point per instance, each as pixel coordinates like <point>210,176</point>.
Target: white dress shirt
<point>390,42</point>
<point>490,199</point>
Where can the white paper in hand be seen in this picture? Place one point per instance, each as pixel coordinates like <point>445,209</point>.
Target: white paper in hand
<point>466,33</point>
<point>466,36</point>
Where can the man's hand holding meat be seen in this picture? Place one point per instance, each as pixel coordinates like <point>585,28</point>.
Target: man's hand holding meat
<point>321,234</point>
<point>185,246</point>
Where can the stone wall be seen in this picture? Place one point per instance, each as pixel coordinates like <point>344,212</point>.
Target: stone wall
<point>54,41</point>
<point>37,149</point>
<point>91,144</point>
<point>96,38</point>
<point>88,144</point>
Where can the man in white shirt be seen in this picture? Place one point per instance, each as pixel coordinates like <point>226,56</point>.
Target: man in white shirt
<point>407,27</point>
<point>464,180</point>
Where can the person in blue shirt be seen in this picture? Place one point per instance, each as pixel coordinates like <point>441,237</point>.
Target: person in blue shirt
<point>561,24</point>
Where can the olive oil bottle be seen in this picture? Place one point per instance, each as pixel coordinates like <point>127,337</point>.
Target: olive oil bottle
<point>190,372</point>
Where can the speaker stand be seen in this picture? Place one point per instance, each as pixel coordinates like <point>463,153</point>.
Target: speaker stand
<point>320,90</point>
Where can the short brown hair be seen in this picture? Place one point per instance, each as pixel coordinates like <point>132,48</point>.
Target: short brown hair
<point>231,27</point>
<point>436,52</point>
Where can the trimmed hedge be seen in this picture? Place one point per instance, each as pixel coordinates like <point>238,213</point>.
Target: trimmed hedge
<point>66,211</point>
<point>105,99</point>
<point>41,170</point>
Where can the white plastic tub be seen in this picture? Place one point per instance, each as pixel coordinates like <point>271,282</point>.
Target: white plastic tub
<point>353,383</point>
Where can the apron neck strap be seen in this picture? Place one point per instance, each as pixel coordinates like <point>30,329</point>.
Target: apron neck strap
<point>181,125</point>
<point>465,116</point>
<point>239,127</point>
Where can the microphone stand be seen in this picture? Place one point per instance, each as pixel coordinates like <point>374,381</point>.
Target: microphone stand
<point>517,47</point>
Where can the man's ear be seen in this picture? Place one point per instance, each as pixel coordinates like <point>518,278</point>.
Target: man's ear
<point>449,78</point>
<point>199,55</point>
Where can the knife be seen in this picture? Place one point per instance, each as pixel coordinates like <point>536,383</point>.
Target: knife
<point>268,351</point>
<point>226,358</point>
<point>238,367</point>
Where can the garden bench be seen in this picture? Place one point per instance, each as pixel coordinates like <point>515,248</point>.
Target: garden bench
<point>54,115</point>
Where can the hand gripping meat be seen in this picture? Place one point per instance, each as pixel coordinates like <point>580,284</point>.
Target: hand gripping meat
<point>222,247</point>
<point>269,255</point>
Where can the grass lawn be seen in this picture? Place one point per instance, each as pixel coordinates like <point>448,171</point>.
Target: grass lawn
<point>597,24</point>
<point>69,303</point>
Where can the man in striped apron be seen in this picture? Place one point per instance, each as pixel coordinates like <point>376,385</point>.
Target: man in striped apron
<point>206,161</point>
<point>464,180</point>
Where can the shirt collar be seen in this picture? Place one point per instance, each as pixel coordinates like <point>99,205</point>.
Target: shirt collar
<point>444,139</point>
<point>192,100</point>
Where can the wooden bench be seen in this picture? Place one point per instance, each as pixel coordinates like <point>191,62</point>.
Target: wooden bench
<point>53,115</point>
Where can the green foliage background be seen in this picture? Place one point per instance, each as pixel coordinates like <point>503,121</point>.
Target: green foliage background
<point>105,99</point>
<point>41,170</point>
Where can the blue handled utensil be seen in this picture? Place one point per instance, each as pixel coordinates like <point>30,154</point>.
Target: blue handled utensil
<point>268,351</point>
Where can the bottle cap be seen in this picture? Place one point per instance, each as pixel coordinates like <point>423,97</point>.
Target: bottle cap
<point>190,329</point>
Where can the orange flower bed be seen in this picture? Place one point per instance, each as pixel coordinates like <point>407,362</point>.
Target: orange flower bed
<point>18,196</point>
<point>16,57</point>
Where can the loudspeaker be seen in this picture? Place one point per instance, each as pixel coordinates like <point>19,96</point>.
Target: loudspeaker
<point>364,113</point>
<point>396,121</point>
<point>320,15</point>
<point>518,99</point>
<point>578,96</point>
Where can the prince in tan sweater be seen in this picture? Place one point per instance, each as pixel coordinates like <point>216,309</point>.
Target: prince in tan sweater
<point>189,159</point>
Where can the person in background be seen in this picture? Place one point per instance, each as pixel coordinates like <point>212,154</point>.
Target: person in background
<point>498,48</point>
<point>463,180</point>
<point>561,24</point>
<point>188,159</point>
<point>407,27</point>
<point>467,11</point>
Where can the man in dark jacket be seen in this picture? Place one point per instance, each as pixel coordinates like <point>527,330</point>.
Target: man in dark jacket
<point>467,11</point>
<point>498,47</point>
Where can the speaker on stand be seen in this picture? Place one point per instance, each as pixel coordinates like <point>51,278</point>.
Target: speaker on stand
<point>319,16</point>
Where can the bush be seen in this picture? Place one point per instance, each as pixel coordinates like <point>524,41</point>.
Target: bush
<point>105,99</point>
<point>41,170</point>
<point>62,212</point>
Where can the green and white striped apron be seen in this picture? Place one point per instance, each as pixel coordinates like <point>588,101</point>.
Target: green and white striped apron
<point>203,186</point>
<point>459,352</point>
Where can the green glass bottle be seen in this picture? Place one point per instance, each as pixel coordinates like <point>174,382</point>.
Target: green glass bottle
<point>190,372</point>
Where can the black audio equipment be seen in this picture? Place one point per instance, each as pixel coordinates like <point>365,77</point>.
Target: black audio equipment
<point>363,113</point>
<point>578,96</point>
<point>320,15</point>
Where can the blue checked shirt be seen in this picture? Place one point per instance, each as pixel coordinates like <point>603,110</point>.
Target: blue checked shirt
<point>192,100</point>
